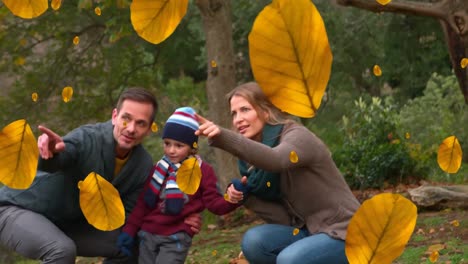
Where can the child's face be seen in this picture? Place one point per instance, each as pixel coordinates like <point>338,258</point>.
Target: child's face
<point>175,150</point>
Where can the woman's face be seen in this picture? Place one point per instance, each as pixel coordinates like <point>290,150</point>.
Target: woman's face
<point>246,119</point>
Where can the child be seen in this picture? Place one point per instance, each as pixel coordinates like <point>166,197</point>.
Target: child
<point>158,216</point>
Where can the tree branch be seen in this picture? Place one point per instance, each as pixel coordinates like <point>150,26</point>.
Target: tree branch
<point>407,7</point>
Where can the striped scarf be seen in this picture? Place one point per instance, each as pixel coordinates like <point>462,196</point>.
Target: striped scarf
<point>164,175</point>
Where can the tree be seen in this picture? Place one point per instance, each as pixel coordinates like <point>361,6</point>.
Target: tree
<point>217,24</point>
<point>453,16</point>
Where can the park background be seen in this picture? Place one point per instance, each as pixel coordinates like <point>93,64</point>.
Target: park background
<point>383,131</point>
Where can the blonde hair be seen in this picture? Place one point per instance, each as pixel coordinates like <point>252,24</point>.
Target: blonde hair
<point>252,92</point>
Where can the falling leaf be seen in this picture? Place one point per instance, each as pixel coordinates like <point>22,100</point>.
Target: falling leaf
<point>156,20</point>
<point>455,223</point>
<point>464,63</point>
<point>293,157</point>
<point>380,229</point>
<point>226,197</point>
<point>213,64</point>
<point>377,71</point>
<point>124,123</point>
<point>34,97</point>
<point>290,55</point>
<point>27,8</point>
<point>20,61</point>
<point>449,156</point>
<point>214,252</point>
<point>295,231</point>
<point>100,203</point>
<point>76,40</point>
<point>18,155</point>
<point>154,127</point>
<point>434,256</point>
<point>97,11</point>
<point>268,184</point>
<point>189,176</point>
<point>383,2</point>
<point>195,145</point>
<point>55,4</point>
<point>67,94</point>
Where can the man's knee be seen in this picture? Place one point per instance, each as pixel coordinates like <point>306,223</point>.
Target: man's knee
<point>63,251</point>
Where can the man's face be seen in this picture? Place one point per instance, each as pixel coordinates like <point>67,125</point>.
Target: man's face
<point>131,124</point>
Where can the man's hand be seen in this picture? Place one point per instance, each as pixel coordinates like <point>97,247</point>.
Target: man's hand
<point>49,143</point>
<point>195,222</point>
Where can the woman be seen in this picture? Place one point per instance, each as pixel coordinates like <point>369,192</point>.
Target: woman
<point>293,183</point>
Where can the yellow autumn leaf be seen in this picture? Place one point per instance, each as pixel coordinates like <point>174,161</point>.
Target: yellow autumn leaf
<point>464,63</point>
<point>100,203</point>
<point>18,155</point>
<point>434,256</point>
<point>55,4</point>
<point>290,55</point>
<point>293,157</point>
<point>455,223</point>
<point>34,97</point>
<point>295,231</point>
<point>189,176</point>
<point>154,127</point>
<point>383,2</point>
<point>67,94</point>
<point>380,228</point>
<point>449,156</point>
<point>76,40</point>
<point>97,11</point>
<point>27,8</point>
<point>377,70</point>
<point>156,20</point>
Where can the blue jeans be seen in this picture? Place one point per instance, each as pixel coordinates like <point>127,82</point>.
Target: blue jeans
<point>271,243</point>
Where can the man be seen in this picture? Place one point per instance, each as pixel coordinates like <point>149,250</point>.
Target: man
<point>45,221</point>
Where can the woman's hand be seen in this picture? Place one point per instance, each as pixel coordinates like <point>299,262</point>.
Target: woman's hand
<point>207,128</point>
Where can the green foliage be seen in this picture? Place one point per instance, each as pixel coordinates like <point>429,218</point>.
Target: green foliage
<point>439,113</point>
<point>408,64</point>
<point>373,152</point>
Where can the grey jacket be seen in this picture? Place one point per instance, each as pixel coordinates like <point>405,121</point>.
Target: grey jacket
<point>89,148</point>
<point>314,192</point>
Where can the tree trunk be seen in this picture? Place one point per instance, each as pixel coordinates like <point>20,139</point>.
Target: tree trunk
<point>217,25</point>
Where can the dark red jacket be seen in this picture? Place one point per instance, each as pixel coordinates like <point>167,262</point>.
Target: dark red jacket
<point>156,222</point>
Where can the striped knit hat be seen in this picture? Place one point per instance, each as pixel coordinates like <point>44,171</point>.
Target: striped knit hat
<point>181,126</point>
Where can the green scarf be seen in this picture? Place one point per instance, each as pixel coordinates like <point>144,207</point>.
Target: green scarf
<point>261,183</point>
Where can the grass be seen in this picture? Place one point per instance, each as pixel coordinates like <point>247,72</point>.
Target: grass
<point>219,242</point>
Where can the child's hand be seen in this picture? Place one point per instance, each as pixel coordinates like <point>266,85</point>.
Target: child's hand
<point>125,244</point>
<point>238,190</point>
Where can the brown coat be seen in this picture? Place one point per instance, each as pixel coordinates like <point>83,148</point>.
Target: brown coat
<point>313,189</point>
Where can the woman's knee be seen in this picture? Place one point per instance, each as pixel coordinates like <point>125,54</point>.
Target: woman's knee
<point>251,241</point>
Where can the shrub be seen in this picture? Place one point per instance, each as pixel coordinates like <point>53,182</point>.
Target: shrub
<point>439,113</point>
<point>373,152</point>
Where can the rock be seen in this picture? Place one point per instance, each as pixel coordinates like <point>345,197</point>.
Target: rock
<point>440,197</point>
